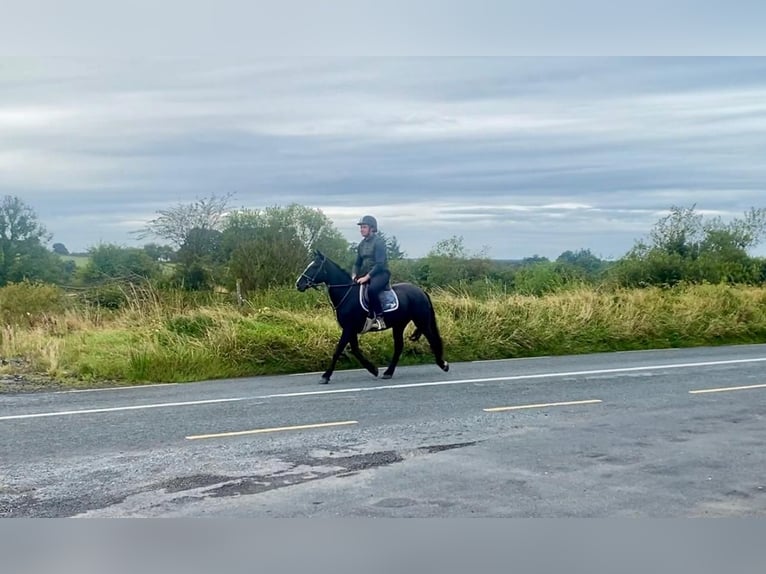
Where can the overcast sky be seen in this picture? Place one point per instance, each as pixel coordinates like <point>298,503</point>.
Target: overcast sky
<point>519,156</point>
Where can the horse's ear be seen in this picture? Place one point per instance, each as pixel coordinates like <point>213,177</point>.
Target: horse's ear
<point>318,253</point>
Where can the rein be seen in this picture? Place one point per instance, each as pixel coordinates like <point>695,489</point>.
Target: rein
<point>313,284</point>
<point>348,287</point>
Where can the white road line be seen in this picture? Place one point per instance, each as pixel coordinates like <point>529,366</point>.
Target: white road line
<point>512,359</point>
<point>726,389</point>
<point>541,406</point>
<point>400,387</point>
<point>114,388</point>
<point>118,409</point>
<point>515,378</point>
<point>273,429</point>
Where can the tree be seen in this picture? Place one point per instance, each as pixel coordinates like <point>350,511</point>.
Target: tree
<point>175,224</point>
<point>60,249</point>
<point>270,246</point>
<point>195,230</point>
<point>161,253</point>
<point>310,226</point>
<point>683,246</point>
<point>678,232</point>
<point>393,250</point>
<point>534,260</point>
<point>744,233</point>
<point>452,247</point>
<point>450,263</point>
<point>108,262</point>
<point>202,244</point>
<point>23,254</point>
<point>269,259</point>
<point>201,259</point>
<point>583,260</point>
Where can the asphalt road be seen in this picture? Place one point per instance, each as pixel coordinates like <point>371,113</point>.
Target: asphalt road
<point>655,433</point>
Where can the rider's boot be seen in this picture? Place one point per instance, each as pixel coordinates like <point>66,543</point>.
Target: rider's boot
<point>369,325</point>
<point>375,323</point>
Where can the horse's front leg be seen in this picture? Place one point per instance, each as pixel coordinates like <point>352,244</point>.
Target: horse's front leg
<point>360,357</point>
<point>398,332</point>
<point>342,342</point>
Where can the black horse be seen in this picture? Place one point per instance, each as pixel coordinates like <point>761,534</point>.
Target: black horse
<point>413,304</point>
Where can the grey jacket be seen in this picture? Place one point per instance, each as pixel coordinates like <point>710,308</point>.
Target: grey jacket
<point>371,256</point>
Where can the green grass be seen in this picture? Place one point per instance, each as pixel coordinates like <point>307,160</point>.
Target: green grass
<point>169,337</point>
<point>79,260</point>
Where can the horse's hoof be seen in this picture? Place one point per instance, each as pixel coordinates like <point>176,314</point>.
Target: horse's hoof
<point>387,376</point>
<point>375,373</point>
<point>445,368</point>
<point>324,380</point>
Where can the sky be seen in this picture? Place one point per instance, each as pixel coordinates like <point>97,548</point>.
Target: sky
<point>519,156</point>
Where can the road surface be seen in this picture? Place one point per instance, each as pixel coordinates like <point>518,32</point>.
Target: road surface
<point>653,433</point>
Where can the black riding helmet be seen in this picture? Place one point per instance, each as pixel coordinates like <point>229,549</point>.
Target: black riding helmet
<point>369,220</point>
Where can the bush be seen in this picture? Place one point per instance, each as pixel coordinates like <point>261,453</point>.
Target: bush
<point>110,262</point>
<point>26,303</point>
<point>109,296</point>
<point>543,278</point>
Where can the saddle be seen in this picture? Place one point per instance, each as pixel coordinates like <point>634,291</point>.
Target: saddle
<point>389,301</point>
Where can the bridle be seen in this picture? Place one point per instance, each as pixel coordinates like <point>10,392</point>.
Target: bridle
<point>311,281</point>
<point>313,284</point>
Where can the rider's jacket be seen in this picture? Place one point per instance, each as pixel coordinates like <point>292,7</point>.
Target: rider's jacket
<point>371,256</point>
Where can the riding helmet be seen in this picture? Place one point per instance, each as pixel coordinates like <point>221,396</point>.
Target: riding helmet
<point>369,220</point>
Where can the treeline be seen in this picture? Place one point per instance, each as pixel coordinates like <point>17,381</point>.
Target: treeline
<point>682,247</point>
<point>207,245</point>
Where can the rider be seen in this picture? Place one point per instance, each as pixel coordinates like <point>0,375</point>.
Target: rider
<point>371,266</point>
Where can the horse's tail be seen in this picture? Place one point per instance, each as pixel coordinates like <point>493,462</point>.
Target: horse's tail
<point>434,326</point>
<point>418,332</point>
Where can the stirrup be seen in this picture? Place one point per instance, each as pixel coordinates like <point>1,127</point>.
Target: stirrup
<point>369,325</point>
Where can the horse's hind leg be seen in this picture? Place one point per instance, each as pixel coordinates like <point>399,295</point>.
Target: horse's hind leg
<point>427,325</point>
<point>360,357</point>
<point>435,342</point>
<point>398,332</point>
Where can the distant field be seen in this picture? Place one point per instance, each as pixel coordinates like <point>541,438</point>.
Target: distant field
<point>79,260</point>
<point>82,260</point>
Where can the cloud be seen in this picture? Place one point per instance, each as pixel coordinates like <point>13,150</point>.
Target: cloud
<point>521,154</point>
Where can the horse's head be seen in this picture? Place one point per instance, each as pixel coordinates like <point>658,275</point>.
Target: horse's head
<point>315,273</point>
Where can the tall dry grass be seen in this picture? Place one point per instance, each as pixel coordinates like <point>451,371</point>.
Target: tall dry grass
<point>159,336</point>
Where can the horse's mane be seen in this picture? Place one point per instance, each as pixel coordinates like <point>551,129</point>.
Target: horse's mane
<point>338,268</point>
